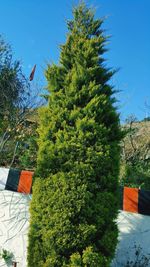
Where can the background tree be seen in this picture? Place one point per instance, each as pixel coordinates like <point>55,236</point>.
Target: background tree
<point>18,107</point>
<point>74,200</point>
<point>12,84</point>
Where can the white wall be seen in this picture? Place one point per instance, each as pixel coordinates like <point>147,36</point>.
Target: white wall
<point>134,236</point>
<point>14,223</point>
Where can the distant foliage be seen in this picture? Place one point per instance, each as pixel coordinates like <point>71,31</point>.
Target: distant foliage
<point>135,163</point>
<point>75,198</point>
<point>147,118</point>
<point>13,86</point>
<point>17,107</point>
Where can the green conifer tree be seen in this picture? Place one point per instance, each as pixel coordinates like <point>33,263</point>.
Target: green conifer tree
<point>75,197</point>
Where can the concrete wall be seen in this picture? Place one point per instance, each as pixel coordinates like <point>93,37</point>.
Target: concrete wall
<point>134,237</point>
<point>14,223</point>
<point>134,240</point>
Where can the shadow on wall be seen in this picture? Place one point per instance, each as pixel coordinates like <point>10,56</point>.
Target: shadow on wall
<point>133,248</point>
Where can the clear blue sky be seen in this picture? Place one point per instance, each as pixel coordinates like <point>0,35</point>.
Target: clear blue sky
<point>35,28</point>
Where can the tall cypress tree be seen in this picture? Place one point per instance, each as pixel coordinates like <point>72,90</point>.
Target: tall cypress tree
<point>75,195</point>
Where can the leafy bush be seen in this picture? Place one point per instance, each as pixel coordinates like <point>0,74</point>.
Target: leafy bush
<point>6,255</point>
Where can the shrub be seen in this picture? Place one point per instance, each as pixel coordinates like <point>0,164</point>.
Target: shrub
<point>75,198</point>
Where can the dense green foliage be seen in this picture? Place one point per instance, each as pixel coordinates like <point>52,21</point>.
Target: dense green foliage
<point>75,200</point>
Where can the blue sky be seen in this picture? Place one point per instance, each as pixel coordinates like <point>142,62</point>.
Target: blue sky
<point>35,28</point>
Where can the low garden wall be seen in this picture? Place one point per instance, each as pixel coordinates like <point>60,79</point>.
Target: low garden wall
<point>133,222</point>
<point>14,224</point>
